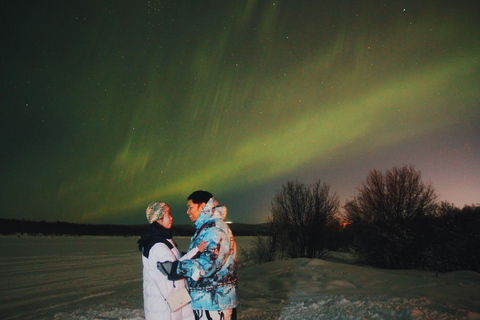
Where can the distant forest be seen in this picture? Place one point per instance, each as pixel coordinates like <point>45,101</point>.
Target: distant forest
<point>15,226</point>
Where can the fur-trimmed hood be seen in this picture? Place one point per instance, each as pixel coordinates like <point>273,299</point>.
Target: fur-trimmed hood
<point>211,211</point>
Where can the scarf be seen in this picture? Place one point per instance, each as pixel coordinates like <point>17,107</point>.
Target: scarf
<point>155,233</point>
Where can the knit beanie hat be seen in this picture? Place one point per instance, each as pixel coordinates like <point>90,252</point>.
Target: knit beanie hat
<point>155,211</point>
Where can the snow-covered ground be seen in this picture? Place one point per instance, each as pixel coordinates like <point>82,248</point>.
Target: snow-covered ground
<point>100,278</point>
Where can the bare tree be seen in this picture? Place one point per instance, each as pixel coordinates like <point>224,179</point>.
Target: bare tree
<point>300,213</point>
<point>455,239</point>
<point>387,213</point>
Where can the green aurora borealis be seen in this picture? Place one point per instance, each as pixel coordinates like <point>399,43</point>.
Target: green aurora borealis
<point>109,106</point>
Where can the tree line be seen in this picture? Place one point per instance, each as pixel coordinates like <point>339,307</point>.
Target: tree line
<point>394,221</point>
<point>28,227</point>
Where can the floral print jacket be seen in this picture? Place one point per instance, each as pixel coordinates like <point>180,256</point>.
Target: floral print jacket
<point>212,277</point>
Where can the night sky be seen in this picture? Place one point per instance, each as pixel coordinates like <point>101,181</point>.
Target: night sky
<point>107,106</point>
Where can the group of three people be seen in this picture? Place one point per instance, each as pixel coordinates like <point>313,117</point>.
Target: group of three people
<point>209,267</point>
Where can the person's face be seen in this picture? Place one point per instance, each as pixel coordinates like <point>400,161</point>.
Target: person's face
<point>194,210</point>
<point>167,220</point>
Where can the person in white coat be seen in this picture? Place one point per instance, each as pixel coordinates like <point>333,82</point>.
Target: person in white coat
<point>156,244</point>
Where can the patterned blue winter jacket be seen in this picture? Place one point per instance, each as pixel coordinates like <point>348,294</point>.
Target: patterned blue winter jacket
<point>212,277</point>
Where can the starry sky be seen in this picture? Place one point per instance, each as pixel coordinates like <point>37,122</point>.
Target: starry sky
<point>107,106</point>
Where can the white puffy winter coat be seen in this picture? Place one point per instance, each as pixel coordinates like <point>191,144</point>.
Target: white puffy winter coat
<point>153,281</point>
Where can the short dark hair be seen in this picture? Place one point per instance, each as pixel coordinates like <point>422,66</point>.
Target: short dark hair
<point>200,196</point>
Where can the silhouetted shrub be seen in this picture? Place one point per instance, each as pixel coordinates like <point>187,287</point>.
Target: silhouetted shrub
<point>300,216</point>
<point>338,237</point>
<point>455,239</point>
<point>388,217</point>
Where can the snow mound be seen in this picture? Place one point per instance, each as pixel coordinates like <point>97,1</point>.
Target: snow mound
<point>102,313</point>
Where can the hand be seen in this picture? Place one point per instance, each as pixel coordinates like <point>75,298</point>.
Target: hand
<point>165,267</point>
<point>202,246</point>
